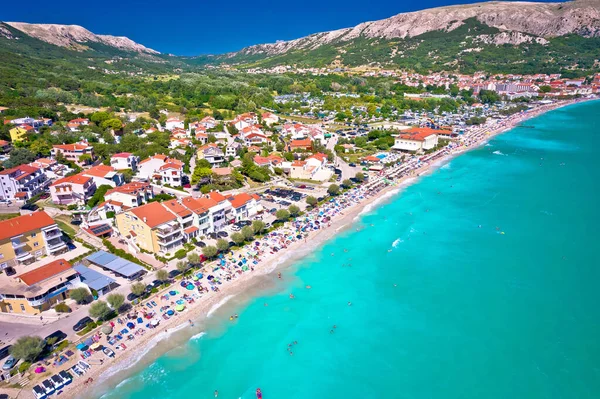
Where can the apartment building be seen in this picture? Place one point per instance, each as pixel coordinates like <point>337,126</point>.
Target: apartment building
<point>73,152</point>
<point>151,227</point>
<point>104,175</point>
<point>416,139</point>
<point>76,189</point>
<point>38,290</point>
<point>22,182</point>
<point>26,238</point>
<point>131,195</point>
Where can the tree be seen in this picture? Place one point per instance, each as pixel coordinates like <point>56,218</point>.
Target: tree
<point>28,348</point>
<point>294,210</point>
<point>100,310</point>
<point>545,89</point>
<point>312,201</point>
<point>258,226</point>
<point>334,189</point>
<point>98,196</point>
<point>210,251</point>
<point>115,300</point>
<point>222,245</point>
<point>162,275</point>
<point>203,163</point>
<point>183,266</point>
<point>41,147</point>
<point>19,156</point>
<point>347,183</point>
<point>248,232</point>
<point>238,238</point>
<point>193,258</point>
<point>282,215</point>
<point>201,173</point>
<point>138,289</point>
<point>113,124</point>
<point>85,158</point>
<point>360,177</point>
<point>80,295</point>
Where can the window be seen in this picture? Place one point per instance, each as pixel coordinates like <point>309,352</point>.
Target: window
<point>33,234</point>
<point>35,244</point>
<point>10,309</point>
<point>22,308</point>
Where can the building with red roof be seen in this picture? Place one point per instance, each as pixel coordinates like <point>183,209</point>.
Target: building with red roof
<point>75,189</point>
<point>22,182</point>
<point>416,139</point>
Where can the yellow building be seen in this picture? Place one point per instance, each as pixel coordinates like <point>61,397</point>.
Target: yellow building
<point>19,133</point>
<point>26,238</point>
<point>151,227</point>
<point>39,289</point>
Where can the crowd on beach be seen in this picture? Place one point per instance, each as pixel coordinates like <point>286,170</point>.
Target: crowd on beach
<point>177,303</point>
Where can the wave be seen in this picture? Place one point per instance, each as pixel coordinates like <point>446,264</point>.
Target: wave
<point>218,305</point>
<point>447,166</point>
<point>369,207</point>
<point>198,336</point>
<point>498,153</point>
<point>120,366</point>
<point>488,145</point>
<point>397,242</point>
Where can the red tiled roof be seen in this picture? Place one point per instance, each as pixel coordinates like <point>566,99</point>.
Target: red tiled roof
<point>177,208</point>
<point>198,205</point>
<point>71,147</point>
<point>75,179</point>
<point>129,188</point>
<point>216,196</point>
<point>240,200</point>
<point>45,272</point>
<point>190,230</point>
<point>301,143</point>
<point>25,170</point>
<point>153,214</point>
<point>122,155</point>
<point>99,171</point>
<point>23,224</point>
<point>418,133</point>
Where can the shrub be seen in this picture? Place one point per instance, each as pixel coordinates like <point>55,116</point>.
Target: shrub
<point>115,300</point>
<point>137,289</point>
<point>282,215</point>
<point>294,210</point>
<point>247,232</point>
<point>333,190</point>
<point>222,245</point>
<point>180,254</point>
<point>23,367</point>
<point>238,238</point>
<point>210,251</point>
<point>62,308</point>
<point>80,295</point>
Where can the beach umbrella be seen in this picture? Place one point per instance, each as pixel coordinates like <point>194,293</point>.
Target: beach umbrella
<point>170,312</point>
<point>88,342</point>
<point>96,346</point>
<point>39,370</point>
<point>179,308</point>
<point>107,329</point>
<point>81,346</point>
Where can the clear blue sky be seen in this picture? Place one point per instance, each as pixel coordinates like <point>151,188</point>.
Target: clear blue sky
<point>191,27</point>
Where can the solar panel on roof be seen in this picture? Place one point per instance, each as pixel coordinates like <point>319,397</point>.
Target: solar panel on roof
<point>104,228</point>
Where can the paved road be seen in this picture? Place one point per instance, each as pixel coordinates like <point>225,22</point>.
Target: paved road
<point>347,170</point>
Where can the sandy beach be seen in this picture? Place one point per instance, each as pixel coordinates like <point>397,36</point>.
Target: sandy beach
<point>266,270</point>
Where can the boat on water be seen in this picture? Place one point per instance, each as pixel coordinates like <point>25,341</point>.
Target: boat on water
<point>108,352</point>
<point>258,393</point>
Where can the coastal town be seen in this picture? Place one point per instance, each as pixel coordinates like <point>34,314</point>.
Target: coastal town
<point>111,240</point>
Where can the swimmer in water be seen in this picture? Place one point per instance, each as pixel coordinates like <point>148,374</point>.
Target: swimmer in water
<point>216,393</point>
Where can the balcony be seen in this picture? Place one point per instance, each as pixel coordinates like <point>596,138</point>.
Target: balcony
<point>18,244</point>
<point>23,256</point>
<point>55,245</point>
<point>167,231</point>
<point>50,234</point>
<point>170,240</point>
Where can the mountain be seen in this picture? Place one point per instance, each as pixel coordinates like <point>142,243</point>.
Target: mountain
<point>449,34</point>
<point>77,38</point>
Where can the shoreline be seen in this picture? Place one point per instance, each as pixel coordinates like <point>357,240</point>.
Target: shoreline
<point>202,310</point>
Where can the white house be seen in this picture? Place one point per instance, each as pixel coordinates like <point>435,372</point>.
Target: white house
<point>245,120</point>
<point>173,123</point>
<point>124,160</point>
<point>270,118</point>
<point>22,182</point>
<point>131,194</point>
<point>416,139</point>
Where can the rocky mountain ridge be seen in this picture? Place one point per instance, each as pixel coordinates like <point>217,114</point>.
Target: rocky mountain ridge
<point>519,22</point>
<point>75,37</point>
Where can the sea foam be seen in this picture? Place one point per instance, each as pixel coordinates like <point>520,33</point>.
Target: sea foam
<point>218,305</point>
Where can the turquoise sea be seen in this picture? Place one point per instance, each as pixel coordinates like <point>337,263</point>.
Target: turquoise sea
<point>479,281</point>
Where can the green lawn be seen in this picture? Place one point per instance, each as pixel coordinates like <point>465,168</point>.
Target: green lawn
<point>6,216</point>
<point>66,227</point>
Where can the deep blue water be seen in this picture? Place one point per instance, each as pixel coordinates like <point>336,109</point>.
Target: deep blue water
<point>479,281</point>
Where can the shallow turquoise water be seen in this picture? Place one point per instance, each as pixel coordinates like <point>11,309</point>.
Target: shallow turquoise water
<point>443,304</point>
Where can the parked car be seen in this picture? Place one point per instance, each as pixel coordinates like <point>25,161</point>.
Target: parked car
<point>222,234</point>
<point>82,323</point>
<point>200,244</point>
<point>10,271</point>
<point>58,334</point>
<point>71,246</point>
<point>30,207</point>
<point>156,283</point>
<point>174,273</point>
<point>132,297</point>
<point>9,363</point>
